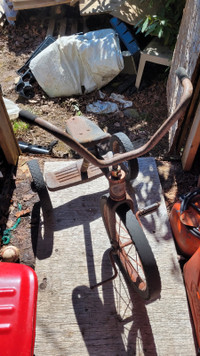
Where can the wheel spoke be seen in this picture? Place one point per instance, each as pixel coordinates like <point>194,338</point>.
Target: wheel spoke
<point>125,244</point>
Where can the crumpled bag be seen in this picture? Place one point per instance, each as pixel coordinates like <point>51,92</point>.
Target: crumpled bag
<point>102,107</point>
<point>78,64</point>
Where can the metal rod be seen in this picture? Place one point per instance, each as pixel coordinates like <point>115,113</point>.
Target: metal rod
<point>111,278</point>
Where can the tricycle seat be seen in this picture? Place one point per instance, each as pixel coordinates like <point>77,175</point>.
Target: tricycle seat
<point>86,131</point>
<point>18,299</point>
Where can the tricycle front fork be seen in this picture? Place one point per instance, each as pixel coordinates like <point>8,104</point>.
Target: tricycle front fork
<point>117,200</point>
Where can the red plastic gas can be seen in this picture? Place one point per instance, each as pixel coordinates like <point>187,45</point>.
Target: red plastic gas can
<point>18,300</point>
<point>191,272</point>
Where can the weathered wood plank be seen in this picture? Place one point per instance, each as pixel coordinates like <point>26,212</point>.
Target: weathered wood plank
<point>190,115</point>
<point>51,24</point>
<point>63,25</point>
<point>94,7</point>
<point>192,143</point>
<point>8,140</point>
<point>129,11</point>
<point>186,54</point>
<point>110,320</point>
<point>73,2</point>
<point>27,4</point>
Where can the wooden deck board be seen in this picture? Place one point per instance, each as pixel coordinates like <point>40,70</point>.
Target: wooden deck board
<point>74,320</point>
<point>29,4</point>
<point>131,11</point>
<point>8,141</point>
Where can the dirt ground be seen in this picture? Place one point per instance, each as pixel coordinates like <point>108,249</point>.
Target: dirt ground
<point>17,43</point>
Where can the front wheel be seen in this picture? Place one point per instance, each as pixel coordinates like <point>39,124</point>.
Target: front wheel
<point>120,143</point>
<point>135,255</point>
<point>132,250</point>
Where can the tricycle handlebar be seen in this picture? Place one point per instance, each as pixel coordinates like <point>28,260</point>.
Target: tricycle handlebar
<point>101,163</point>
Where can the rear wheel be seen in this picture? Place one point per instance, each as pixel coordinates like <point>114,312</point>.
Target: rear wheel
<point>120,143</point>
<point>39,185</point>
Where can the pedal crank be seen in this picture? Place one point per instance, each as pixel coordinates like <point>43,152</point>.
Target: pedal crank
<point>148,209</point>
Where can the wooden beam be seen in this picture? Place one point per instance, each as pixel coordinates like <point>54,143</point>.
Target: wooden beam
<point>22,5</point>
<point>198,184</point>
<point>52,22</point>
<point>63,25</point>
<point>8,140</point>
<point>192,143</point>
<point>73,2</point>
<point>186,54</point>
<point>192,108</point>
<point>93,7</point>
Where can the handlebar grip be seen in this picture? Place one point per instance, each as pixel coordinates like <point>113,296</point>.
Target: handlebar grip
<point>181,74</point>
<point>27,116</point>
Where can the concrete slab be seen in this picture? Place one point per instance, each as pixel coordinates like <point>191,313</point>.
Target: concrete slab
<point>72,254</point>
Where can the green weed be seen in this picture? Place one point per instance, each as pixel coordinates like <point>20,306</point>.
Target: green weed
<point>19,126</point>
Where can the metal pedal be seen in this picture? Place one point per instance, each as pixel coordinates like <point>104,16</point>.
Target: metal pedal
<point>89,135</point>
<point>71,175</point>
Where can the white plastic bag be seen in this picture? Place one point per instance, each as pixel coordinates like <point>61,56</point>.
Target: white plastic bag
<point>120,98</point>
<point>12,108</point>
<point>78,63</point>
<point>102,107</point>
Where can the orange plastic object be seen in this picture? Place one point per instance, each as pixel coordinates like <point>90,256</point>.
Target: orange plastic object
<point>187,242</point>
<point>18,299</point>
<point>191,272</point>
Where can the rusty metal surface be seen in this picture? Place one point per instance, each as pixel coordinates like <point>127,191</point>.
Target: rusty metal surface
<point>117,186</point>
<point>71,175</point>
<point>85,131</point>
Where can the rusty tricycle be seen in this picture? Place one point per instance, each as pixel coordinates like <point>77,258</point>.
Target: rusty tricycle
<point>129,245</point>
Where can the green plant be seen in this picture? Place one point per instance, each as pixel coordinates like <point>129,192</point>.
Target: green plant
<point>165,24</point>
<point>19,126</point>
<point>77,110</point>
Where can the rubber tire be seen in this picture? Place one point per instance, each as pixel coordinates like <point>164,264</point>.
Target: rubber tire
<point>141,245</point>
<point>120,143</point>
<point>39,185</point>
<point>149,265</point>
